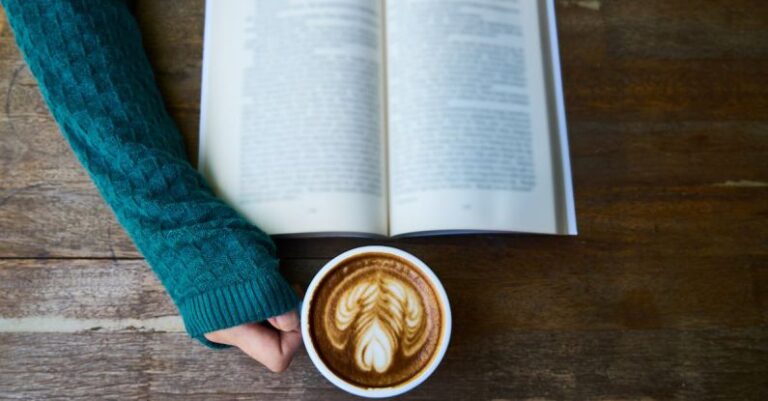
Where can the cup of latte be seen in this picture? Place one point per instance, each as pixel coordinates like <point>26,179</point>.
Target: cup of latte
<point>376,321</point>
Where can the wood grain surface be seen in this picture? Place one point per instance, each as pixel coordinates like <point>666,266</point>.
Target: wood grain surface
<point>663,295</point>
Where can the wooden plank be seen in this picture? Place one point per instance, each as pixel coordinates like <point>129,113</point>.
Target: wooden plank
<point>675,30</point>
<point>705,179</point>
<point>760,289</point>
<point>48,205</point>
<point>544,293</point>
<point>82,289</point>
<point>664,60</point>
<point>67,367</point>
<point>636,364</point>
<point>666,90</point>
<point>669,154</point>
<point>4,28</point>
<point>487,296</point>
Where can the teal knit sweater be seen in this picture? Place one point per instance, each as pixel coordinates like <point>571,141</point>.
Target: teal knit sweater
<point>88,59</point>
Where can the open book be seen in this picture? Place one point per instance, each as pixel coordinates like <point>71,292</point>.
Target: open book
<point>386,117</point>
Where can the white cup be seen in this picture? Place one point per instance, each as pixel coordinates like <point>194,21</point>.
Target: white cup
<point>377,392</point>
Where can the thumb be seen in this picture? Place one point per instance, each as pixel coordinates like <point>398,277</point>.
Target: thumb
<point>286,322</point>
<point>272,348</point>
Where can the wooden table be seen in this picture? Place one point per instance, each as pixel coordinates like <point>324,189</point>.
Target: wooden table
<point>663,295</point>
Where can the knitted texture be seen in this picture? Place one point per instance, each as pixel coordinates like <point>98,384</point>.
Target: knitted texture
<point>88,59</point>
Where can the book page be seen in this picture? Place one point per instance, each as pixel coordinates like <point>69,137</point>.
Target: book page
<point>468,123</point>
<point>291,122</point>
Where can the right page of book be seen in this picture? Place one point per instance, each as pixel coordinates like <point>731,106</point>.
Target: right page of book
<point>468,120</point>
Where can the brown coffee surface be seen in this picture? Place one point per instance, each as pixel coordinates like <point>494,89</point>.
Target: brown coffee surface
<point>375,320</point>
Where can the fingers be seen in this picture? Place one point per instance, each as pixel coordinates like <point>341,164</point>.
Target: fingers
<point>286,322</point>
<point>290,342</point>
<point>274,349</point>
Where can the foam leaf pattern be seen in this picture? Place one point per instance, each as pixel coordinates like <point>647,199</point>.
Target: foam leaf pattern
<point>379,317</point>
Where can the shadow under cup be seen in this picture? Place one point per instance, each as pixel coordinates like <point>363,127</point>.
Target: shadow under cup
<point>376,321</point>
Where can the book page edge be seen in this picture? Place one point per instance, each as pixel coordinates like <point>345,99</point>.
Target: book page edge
<point>204,86</point>
<point>567,199</point>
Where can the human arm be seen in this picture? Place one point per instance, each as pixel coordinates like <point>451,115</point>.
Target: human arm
<point>87,56</point>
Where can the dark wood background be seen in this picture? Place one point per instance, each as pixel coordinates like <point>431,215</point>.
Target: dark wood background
<point>663,295</point>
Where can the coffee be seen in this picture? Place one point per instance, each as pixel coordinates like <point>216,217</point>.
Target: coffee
<point>376,320</point>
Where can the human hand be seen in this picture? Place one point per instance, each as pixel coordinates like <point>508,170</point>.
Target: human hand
<point>273,346</point>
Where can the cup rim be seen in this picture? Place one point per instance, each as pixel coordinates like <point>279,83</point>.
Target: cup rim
<point>376,392</point>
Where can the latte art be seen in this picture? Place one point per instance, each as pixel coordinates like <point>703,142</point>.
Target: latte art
<point>375,321</point>
<point>377,317</point>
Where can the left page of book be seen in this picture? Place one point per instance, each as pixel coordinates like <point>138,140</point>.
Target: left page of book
<point>291,113</point>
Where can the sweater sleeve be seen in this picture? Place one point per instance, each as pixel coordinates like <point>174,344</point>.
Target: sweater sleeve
<point>92,70</point>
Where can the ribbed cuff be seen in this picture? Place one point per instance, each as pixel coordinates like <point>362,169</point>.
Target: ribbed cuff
<point>256,300</point>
